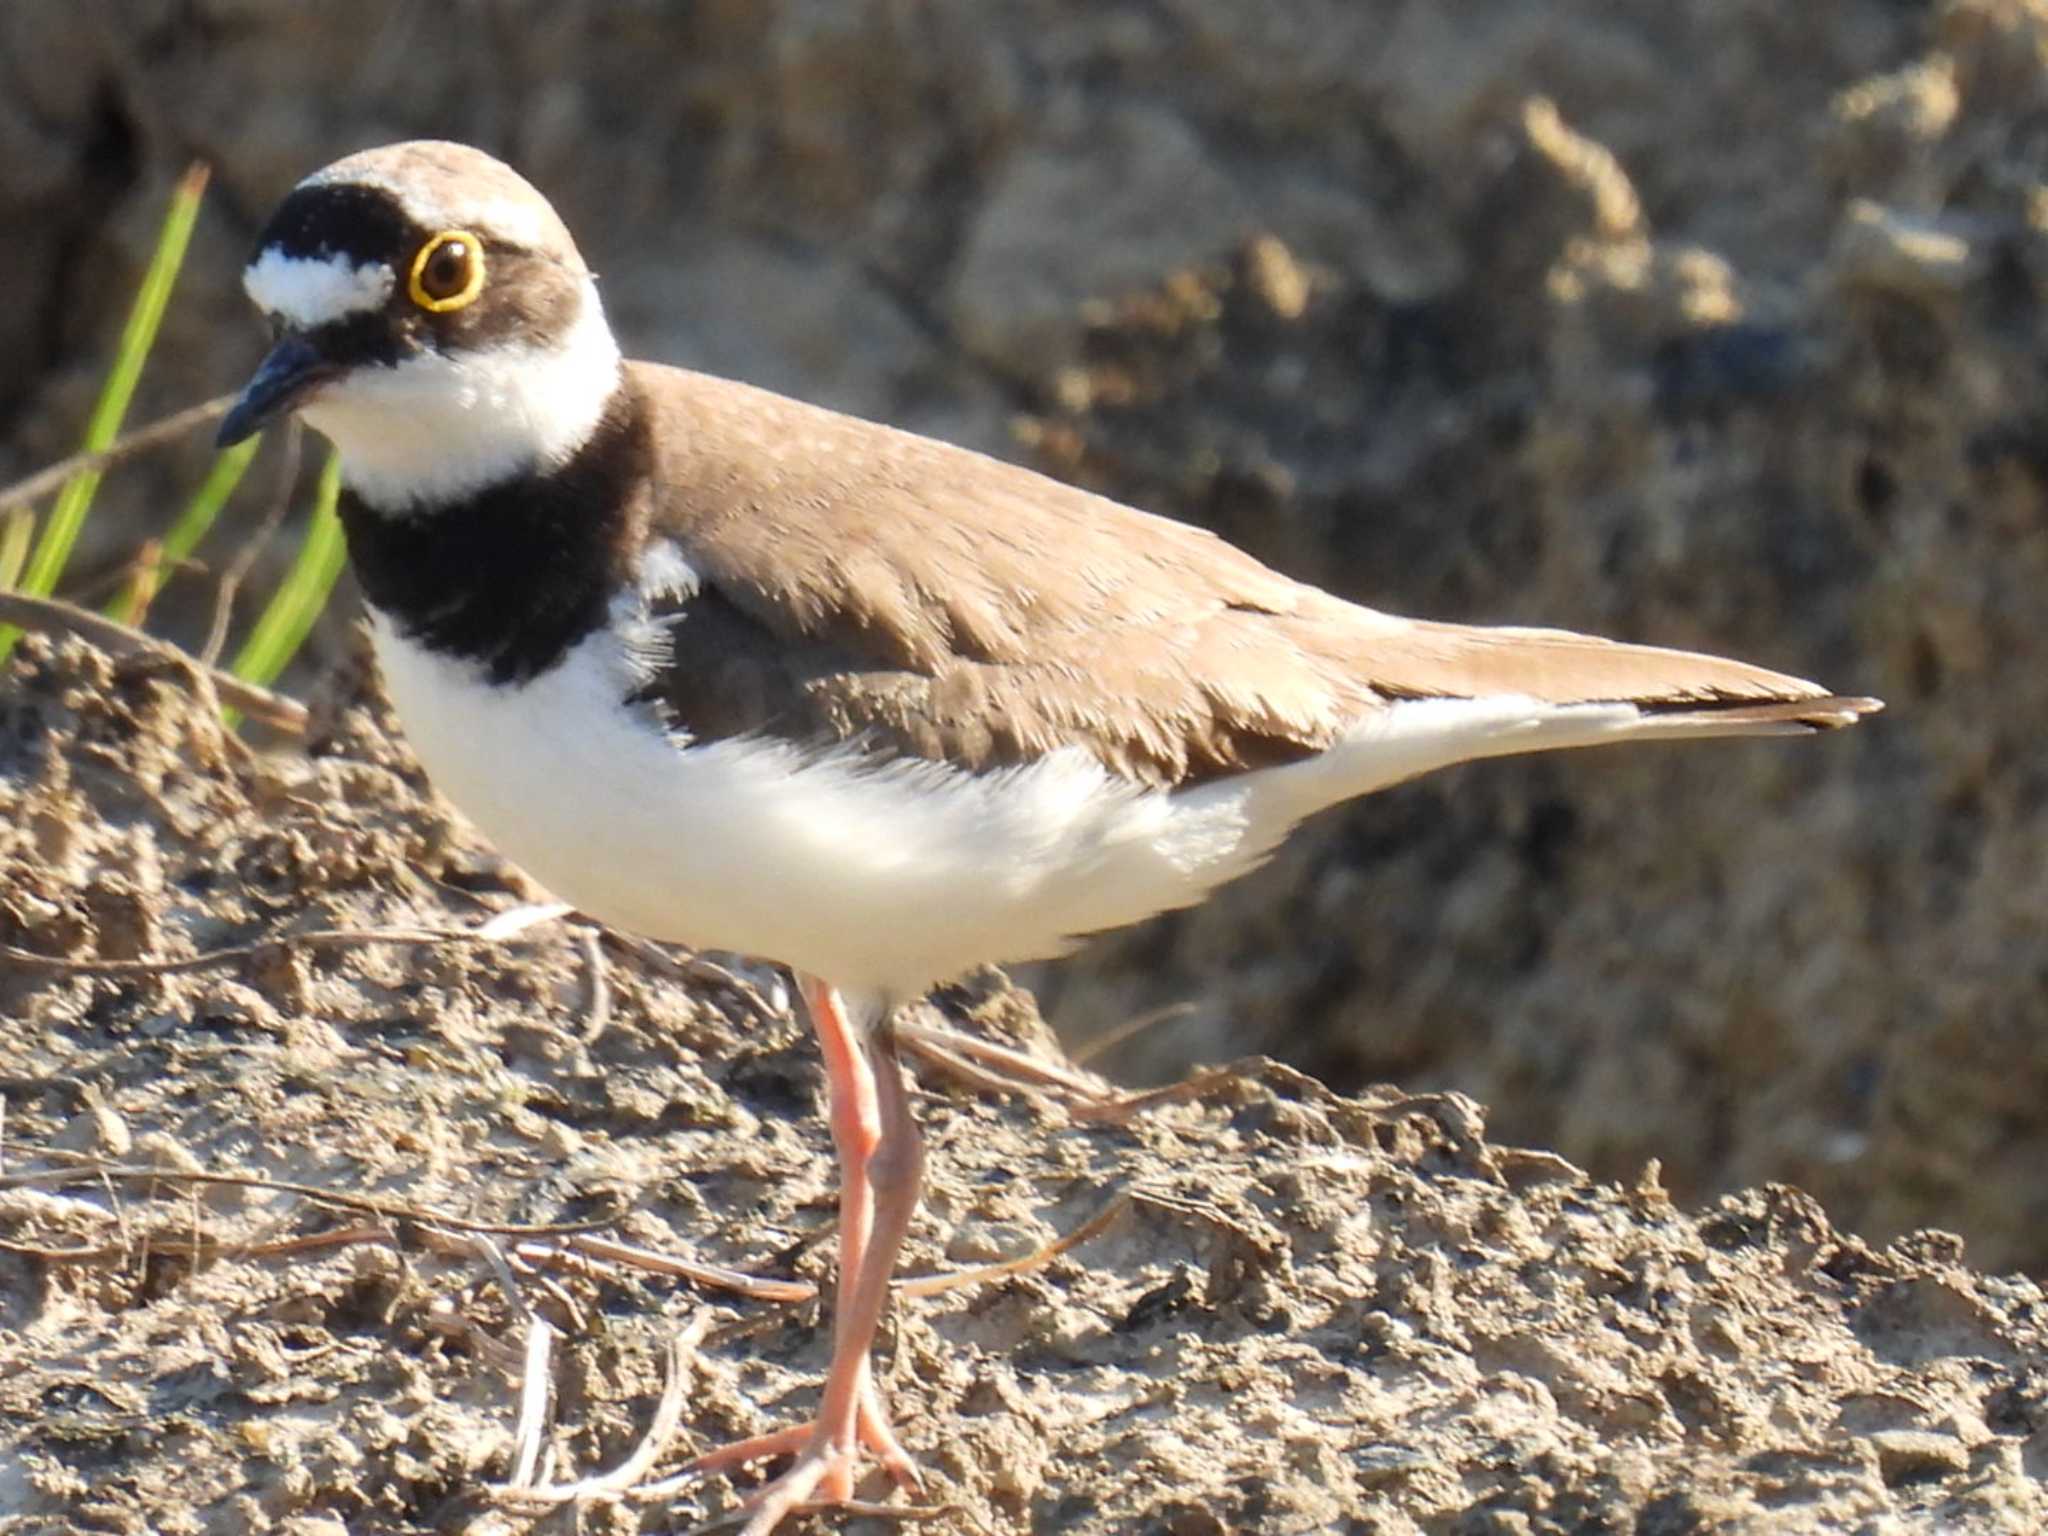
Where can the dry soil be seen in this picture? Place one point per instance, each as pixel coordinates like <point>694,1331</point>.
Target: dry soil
<point>1308,1312</point>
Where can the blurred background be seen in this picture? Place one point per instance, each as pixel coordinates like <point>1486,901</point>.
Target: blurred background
<point>1712,323</point>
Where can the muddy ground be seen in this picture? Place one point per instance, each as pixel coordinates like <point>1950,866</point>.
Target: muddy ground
<point>1707,324</point>
<point>1308,1312</point>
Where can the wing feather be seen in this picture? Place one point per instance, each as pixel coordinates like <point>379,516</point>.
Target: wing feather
<point>860,583</point>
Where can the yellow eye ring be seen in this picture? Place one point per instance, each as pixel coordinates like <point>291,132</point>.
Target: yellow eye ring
<point>452,282</point>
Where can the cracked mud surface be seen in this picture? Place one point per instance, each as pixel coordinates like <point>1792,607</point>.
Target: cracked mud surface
<point>1314,1312</point>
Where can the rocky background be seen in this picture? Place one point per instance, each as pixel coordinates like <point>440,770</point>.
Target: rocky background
<point>1712,324</point>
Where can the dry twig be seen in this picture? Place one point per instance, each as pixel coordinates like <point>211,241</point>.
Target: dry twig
<point>1094,1226</point>
<point>695,967</point>
<point>389,1210</point>
<point>598,1012</point>
<point>494,932</point>
<point>1197,1085</point>
<point>157,433</point>
<point>1117,1034</point>
<point>53,615</point>
<point>612,1251</point>
<point>1014,1071</point>
<point>480,1244</point>
<point>623,1478</point>
<point>252,545</point>
<point>535,1391</point>
<point>202,1247</point>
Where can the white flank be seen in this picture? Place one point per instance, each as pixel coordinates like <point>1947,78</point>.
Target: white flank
<point>310,291</point>
<point>665,571</point>
<point>666,575</point>
<point>436,428</point>
<point>885,878</point>
<point>890,877</point>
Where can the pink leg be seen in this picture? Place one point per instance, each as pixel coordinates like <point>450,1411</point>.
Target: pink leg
<point>881,1159</point>
<point>895,1179</point>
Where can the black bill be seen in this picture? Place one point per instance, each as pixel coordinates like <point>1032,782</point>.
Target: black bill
<point>293,369</point>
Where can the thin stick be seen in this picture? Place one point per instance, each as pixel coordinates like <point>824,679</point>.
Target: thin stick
<point>54,615</point>
<point>611,1250</point>
<point>141,440</point>
<point>1117,1034</point>
<point>1094,1226</point>
<point>1195,1086</point>
<point>205,1248</point>
<point>668,1413</point>
<point>535,1386</point>
<point>245,557</point>
<point>598,1013</point>
<point>317,938</point>
<point>388,1209</point>
<point>697,968</point>
<point>981,1079</point>
<point>572,1314</point>
<point>1022,1069</point>
<point>480,1244</point>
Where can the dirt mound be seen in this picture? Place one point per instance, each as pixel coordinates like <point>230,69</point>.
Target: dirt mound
<point>1306,1312</point>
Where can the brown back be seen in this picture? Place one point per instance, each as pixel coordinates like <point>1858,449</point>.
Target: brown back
<point>862,582</point>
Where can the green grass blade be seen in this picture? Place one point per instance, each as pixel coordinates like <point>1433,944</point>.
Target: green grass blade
<point>17,531</point>
<point>67,517</point>
<point>196,519</point>
<point>290,614</point>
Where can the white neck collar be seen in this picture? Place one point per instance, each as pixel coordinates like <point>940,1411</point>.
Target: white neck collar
<point>435,429</point>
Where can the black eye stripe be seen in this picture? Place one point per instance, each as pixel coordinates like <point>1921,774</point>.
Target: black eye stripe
<point>357,340</point>
<point>362,224</point>
<point>527,295</point>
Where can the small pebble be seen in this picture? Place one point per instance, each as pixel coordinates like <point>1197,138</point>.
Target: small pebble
<point>97,1128</point>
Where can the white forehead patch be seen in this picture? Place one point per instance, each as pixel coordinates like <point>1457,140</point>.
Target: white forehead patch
<point>310,291</point>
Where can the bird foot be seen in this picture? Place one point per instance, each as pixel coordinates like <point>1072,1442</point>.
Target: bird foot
<point>821,1477</point>
<point>827,1463</point>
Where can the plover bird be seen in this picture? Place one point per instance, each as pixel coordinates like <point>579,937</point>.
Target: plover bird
<point>730,670</point>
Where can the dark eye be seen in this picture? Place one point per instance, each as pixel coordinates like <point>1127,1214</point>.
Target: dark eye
<point>448,272</point>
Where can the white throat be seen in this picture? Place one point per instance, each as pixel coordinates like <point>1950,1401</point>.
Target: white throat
<point>437,428</point>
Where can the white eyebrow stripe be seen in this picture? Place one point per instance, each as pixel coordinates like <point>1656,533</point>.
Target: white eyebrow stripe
<point>310,291</point>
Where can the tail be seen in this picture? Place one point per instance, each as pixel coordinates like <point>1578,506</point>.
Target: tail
<point>1661,721</point>
<point>1451,693</point>
<point>1413,659</point>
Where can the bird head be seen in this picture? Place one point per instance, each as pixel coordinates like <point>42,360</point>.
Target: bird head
<point>432,316</point>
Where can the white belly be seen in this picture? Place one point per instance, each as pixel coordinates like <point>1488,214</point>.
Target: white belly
<point>883,878</point>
